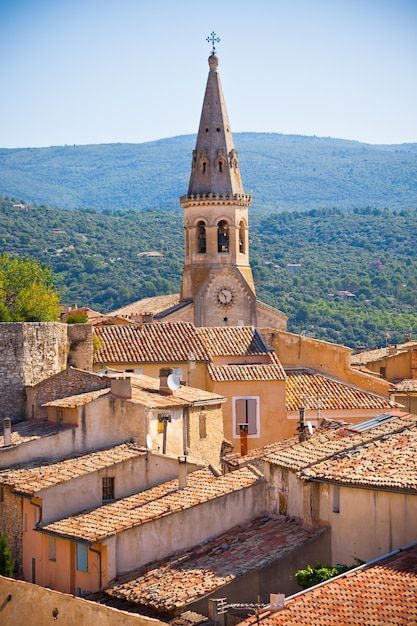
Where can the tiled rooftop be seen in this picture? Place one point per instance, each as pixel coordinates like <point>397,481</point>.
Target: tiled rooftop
<point>297,455</point>
<point>306,387</point>
<point>406,385</point>
<point>78,400</point>
<point>32,429</point>
<point>153,305</point>
<point>188,576</point>
<point>184,394</point>
<point>32,478</point>
<point>381,353</point>
<point>232,341</point>
<point>383,594</point>
<point>170,342</point>
<point>273,371</point>
<point>389,462</point>
<point>329,439</point>
<point>146,506</point>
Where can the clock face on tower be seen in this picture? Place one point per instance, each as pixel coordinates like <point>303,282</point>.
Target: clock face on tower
<point>225,296</point>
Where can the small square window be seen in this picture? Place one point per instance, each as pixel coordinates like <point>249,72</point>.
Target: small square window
<point>108,488</point>
<point>82,557</point>
<point>52,548</point>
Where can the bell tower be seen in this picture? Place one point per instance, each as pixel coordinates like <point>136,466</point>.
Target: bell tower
<point>217,275</point>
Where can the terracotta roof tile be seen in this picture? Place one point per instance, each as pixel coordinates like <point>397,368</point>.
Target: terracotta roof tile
<point>153,305</point>
<point>79,399</point>
<point>149,343</point>
<point>32,429</point>
<point>33,478</point>
<point>408,384</point>
<point>260,371</point>
<point>190,575</point>
<point>389,462</point>
<point>383,594</point>
<point>370,356</point>
<point>232,341</point>
<point>324,444</point>
<point>307,387</point>
<point>146,506</point>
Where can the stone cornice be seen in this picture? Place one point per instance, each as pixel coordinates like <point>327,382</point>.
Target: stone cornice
<point>212,198</point>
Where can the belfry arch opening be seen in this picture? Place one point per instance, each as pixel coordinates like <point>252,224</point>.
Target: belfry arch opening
<point>201,238</point>
<point>223,236</point>
<point>242,237</point>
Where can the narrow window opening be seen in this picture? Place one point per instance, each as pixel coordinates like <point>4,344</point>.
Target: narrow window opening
<point>204,167</point>
<point>220,167</point>
<point>201,238</point>
<point>207,130</point>
<point>203,426</point>
<point>223,237</point>
<point>336,499</point>
<point>242,237</point>
<point>1,494</point>
<point>51,548</point>
<point>218,129</point>
<point>108,488</point>
<point>82,557</point>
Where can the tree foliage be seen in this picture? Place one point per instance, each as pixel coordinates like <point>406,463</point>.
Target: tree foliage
<point>303,263</point>
<point>6,560</point>
<point>26,291</point>
<point>311,576</point>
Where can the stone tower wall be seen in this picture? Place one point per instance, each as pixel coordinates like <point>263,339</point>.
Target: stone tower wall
<point>33,351</point>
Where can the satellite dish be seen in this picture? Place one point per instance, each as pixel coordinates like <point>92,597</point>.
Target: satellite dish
<point>309,428</point>
<point>173,382</point>
<point>148,441</point>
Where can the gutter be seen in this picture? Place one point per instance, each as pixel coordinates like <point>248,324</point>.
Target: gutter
<point>330,481</point>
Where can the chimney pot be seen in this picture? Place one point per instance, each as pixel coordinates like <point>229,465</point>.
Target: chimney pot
<point>182,472</point>
<point>7,431</point>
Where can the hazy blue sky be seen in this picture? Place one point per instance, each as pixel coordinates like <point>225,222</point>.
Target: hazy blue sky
<point>94,71</point>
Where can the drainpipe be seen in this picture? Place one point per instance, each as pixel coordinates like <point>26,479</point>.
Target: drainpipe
<point>100,581</point>
<point>39,506</point>
<point>243,429</point>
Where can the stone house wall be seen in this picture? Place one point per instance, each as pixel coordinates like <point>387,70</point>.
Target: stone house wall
<point>33,351</point>
<point>69,382</point>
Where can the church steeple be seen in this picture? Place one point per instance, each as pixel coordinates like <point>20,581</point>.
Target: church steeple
<point>217,276</point>
<point>215,167</point>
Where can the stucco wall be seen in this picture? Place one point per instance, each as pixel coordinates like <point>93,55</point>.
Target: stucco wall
<point>209,447</point>
<point>34,605</point>
<point>370,522</point>
<point>272,414</point>
<point>330,358</point>
<point>178,531</point>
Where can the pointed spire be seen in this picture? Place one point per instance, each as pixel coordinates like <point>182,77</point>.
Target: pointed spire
<point>215,167</point>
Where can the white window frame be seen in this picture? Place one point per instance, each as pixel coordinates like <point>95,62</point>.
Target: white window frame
<point>258,416</point>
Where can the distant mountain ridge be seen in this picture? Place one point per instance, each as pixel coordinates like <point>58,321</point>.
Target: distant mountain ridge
<point>281,171</point>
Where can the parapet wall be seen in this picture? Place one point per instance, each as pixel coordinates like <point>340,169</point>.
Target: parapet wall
<point>33,351</point>
<point>24,603</point>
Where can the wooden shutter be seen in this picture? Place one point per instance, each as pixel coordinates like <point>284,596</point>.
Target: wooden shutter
<point>240,408</point>
<point>251,416</point>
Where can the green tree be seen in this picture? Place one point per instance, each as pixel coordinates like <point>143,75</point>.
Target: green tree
<point>27,293</point>
<point>6,561</point>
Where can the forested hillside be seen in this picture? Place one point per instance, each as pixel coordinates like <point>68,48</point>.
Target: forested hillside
<point>282,172</point>
<point>345,276</point>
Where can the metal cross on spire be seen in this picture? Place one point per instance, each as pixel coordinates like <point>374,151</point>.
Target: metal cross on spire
<point>213,39</point>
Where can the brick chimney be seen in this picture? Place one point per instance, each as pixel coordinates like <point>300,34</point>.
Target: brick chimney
<point>121,387</point>
<point>147,318</point>
<point>302,436</point>
<point>164,372</point>
<point>7,431</point>
<point>182,472</point>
